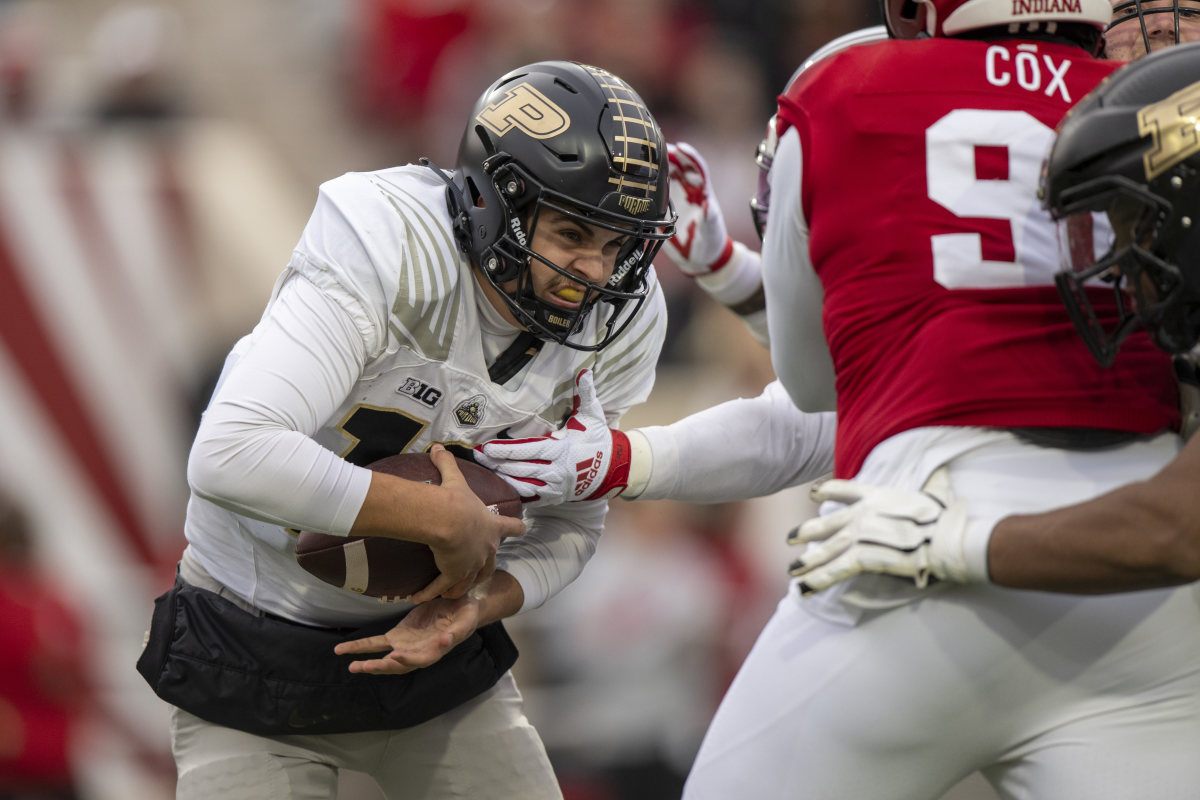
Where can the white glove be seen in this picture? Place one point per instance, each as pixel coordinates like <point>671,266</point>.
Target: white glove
<point>701,244</point>
<point>583,460</point>
<point>912,534</point>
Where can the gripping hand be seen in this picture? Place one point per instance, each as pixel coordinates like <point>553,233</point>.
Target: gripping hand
<point>583,460</point>
<point>701,244</point>
<point>910,534</point>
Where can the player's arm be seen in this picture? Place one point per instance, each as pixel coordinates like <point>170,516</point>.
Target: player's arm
<point>736,450</point>
<point>559,541</point>
<point>729,271</point>
<point>799,353</point>
<point>434,628</point>
<point>739,449</point>
<point>254,453</point>
<point>1142,535</point>
<point>529,571</point>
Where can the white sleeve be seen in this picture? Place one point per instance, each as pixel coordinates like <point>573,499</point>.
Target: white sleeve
<point>557,544</point>
<point>737,282</point>
<point>253,453</point>
<point>736,450</point>
<point>794,295</point>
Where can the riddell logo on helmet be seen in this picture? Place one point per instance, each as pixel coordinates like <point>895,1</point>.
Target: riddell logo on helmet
<point>623,269</point>
<point>1020,7</point>
<point>515,224</point>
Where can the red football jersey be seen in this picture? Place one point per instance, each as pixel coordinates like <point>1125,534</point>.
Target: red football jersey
<point>921,167</point>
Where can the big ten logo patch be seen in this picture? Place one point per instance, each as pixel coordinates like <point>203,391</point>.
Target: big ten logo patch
<point>526,109</point>
<point>422,392</point>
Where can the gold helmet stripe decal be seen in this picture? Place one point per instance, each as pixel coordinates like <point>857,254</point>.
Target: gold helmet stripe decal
<point>1174,126</point>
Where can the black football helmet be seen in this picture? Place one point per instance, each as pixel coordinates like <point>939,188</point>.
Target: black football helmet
<point>1123,181</point>
<point>578,140</point>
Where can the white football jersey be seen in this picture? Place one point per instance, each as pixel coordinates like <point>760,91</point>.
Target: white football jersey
<point>391,319</point>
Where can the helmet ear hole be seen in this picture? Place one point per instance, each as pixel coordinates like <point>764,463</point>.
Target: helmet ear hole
<point>473,194</point>
<point>489,149</point>
<point>905,19</point>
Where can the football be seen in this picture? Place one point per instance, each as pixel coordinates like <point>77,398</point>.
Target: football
<point>393,569</point>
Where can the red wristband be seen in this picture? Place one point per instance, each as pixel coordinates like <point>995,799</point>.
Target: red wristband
<point>723,259</point>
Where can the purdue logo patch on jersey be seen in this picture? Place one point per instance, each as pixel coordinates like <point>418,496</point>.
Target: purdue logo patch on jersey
<point>469,412</point>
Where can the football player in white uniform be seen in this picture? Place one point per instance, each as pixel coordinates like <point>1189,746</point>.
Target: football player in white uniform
<point>764,444</point>
<point>422,310</point>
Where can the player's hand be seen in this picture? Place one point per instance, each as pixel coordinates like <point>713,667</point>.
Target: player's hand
<point>466,553</point>
<point>701,244</point>
<point>910,534</point>
<point>426,634</point>
<point>583,460</point>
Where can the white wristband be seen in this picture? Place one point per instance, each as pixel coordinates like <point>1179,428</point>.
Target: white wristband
<point>641,463</point>
<point>975,550</point>
<point>739,278</point>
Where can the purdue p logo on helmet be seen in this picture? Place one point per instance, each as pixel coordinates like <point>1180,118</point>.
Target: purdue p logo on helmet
<point>525,108</point>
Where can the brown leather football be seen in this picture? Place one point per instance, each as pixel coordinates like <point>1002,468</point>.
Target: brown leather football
<point>393,569</point>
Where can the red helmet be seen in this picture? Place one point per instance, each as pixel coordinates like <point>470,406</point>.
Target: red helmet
<point>908,19</point>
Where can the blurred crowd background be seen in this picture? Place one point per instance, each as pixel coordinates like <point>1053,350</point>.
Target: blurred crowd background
<point>157,163</point>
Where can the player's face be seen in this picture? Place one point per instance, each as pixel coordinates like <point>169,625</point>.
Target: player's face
<point>1124,40</point>
<point>585,252</point>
